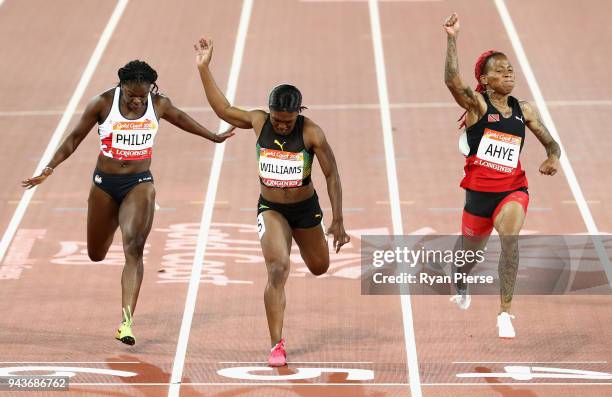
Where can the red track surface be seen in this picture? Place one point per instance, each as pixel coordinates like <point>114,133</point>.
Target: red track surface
<point>64,308</point>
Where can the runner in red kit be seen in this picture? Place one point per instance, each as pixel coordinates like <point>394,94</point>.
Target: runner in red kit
<point>494,182</point>
<point>122,194</point>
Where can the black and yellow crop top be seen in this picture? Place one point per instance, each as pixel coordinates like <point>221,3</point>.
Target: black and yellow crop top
<point>283,160</point>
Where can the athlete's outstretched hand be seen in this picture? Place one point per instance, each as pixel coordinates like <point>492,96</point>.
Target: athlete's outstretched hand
<point>549,166</point>
<point>451,25</point>
<point>340,236</point>
<point>36,180</point>
<point>224,135</point>
<point>204,50</point>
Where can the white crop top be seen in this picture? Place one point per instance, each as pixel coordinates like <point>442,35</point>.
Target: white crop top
<point>125,139</point>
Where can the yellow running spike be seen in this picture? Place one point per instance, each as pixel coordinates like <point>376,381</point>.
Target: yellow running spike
<point>124,333</point>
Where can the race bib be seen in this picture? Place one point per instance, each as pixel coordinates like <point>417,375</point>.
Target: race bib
<point>499,148</point>
<point>278,168</point>
<point>133,139</point>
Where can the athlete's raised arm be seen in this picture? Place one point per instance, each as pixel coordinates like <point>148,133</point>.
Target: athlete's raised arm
<point>553,151</point>
<point>182,120</point>
<point>315,138</point>
<point>90,117</point>
<point>463,94</point>
<point>235,116</point>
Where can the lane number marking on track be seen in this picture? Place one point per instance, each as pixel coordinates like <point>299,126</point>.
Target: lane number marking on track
<point>62,371</point>
<point>18,256</point>
<point>74,253</point>
<point>246,373</point>
<point>520,372</point>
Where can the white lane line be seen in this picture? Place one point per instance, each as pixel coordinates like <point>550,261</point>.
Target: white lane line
<point>69,362</point>
<point>530,362</point>
<point>298,362</point>
<point>534,384</point>
<point>63,124</point>
<point>354,384</point>
<point>207,210</point>
<point>548,121</point>
<point>394,197</point>
<point>584,102</point>
<point>330,106</point>
<point>363,1</point>
<point>24,113</point>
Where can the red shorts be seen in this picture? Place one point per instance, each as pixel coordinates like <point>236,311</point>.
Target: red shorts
<point>481,209</point>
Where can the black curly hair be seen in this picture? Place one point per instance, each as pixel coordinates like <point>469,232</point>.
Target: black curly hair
<point>138,72</point>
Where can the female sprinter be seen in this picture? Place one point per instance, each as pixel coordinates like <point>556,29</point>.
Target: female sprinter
<point>288,206</point>
<point>494,182</point>
<point>122,194</point>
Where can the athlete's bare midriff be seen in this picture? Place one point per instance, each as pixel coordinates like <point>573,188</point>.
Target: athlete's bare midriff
<point>287,195</point>
<point>122,167</point>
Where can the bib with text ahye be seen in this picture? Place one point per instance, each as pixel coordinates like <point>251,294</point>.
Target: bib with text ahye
<point>499,151</point>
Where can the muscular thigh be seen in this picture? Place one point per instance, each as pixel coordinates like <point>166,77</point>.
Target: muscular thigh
<point>313,246</point>
<point>510,219</point>
<point>275,237</point>
<point>136,212</point>
<point>102,221</point>
<point>312,241</point>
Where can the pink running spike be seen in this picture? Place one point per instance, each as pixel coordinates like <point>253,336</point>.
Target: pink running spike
<point>278,356</point>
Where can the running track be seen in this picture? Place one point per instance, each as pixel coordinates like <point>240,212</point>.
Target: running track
<point>61,309</point>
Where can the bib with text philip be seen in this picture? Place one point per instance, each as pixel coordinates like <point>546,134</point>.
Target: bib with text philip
<point>278,168</point>
<point>132,140</point>
<point>498,151</point>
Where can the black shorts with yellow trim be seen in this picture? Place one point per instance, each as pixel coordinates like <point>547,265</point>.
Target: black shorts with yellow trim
<point>301,215</point>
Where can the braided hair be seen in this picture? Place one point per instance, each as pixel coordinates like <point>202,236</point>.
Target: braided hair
<point>286,98</point>
<point>479,69</point>
<point>138,72</point>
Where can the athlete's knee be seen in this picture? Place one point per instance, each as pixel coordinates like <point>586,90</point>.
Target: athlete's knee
<point>510,220</point>
<point>509,226</point>
<point>134,246</point>
<point>278,271</point>
<point>509,229</point>
<point>318,267</point>
<point>96,256</point>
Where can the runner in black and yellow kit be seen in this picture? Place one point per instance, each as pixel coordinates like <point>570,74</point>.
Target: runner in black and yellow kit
<point>495,184</point>
<point>288,205</point>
